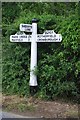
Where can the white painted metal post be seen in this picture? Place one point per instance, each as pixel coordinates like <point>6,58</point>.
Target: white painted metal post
<point>33,64</point>
<point>47,36</point>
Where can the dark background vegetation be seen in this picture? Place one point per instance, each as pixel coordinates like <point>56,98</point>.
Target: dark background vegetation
<point>58,63</point>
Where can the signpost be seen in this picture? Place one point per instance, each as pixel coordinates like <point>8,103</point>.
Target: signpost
<point>26,27</point>
<point>47,36</point>
<point>20,38</point>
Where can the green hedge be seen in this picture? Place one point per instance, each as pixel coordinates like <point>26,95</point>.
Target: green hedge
<point>58,63</point>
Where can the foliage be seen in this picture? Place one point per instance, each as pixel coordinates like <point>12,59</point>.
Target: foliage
<point>58,63</point>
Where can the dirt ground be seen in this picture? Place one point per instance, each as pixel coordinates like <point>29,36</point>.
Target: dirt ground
<point>39,108</point>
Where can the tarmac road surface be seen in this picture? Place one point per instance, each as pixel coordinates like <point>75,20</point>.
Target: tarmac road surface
<point>11,115</point>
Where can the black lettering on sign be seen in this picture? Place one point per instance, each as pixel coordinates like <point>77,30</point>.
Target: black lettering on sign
<point>29,36</point>
<point>23,36</point>
<point>24,26</point>
<point>54,35</point>
<point>14,36</point>
<point>13,39</point>
<point>48,32</point>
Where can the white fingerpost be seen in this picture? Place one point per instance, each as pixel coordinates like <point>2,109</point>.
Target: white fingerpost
<point>33,65</point>
<point>47,36</point>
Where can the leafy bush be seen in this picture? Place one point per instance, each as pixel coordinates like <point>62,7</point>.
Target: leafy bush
<point>58,63</point>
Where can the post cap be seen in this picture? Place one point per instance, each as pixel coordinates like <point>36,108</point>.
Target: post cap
<point>34,20</point>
